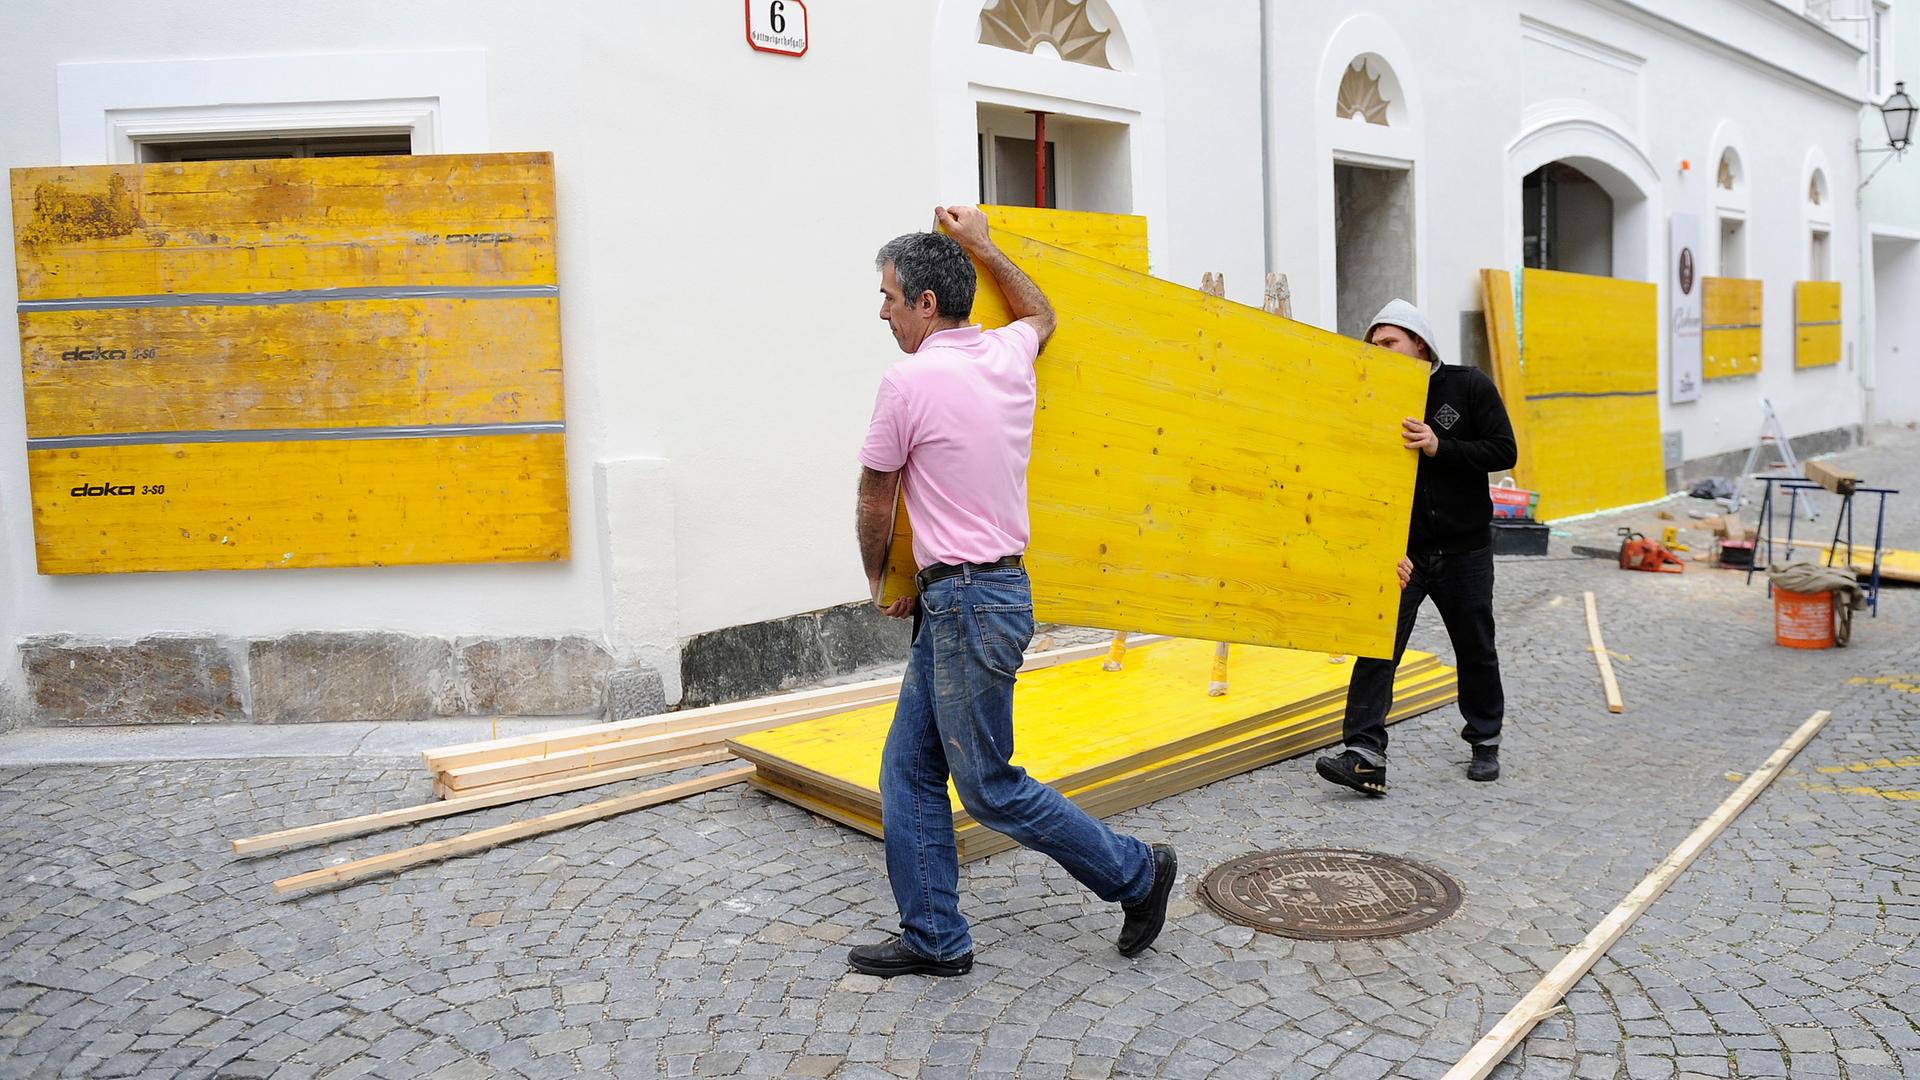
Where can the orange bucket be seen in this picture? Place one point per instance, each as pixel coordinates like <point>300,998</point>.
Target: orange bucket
<point>1802,620</point>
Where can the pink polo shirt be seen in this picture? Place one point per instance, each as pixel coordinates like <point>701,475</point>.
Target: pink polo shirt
<point>958,416</point>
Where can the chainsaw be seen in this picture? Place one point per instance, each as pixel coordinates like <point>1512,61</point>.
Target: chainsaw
<point>1639,553</point>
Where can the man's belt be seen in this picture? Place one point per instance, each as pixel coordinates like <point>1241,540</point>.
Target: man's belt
<point>938,571</point>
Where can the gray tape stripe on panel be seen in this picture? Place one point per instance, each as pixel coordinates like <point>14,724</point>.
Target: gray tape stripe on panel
<point>411,431</point>
<point>293,296</point>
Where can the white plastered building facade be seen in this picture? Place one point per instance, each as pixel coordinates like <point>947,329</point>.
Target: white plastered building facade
<point>719,208</point>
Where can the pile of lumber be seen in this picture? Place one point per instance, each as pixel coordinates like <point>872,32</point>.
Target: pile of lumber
<point>1110,740</point>
<point>476,776</point>
<point>608,752</point>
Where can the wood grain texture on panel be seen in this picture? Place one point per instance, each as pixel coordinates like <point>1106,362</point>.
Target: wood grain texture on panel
<point>1591,362</point>
<point>354,502</point>
<point>1120,239</point>
<point>304,223</point>
<point>1503,346</point>
<point>332,364</point>
<point>187,328</point>
<point>1203,469</point>
<point>1816,323</point>
<point>1729,327</point>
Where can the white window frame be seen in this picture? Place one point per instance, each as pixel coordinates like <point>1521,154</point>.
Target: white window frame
<point>1060,136</point>
<point>1823,233</point>
<point>1880,42</point>
<point>107,109</point>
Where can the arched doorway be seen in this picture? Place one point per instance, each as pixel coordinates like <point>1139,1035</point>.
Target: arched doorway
<point>1590,143</point>
<point>1566,221</point>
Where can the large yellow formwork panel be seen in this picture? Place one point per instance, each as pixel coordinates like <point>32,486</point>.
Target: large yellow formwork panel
<point>1120,239</point>
<point>220,360</point>
<point>344,502</point>
<point>1590,365</point>
<point>1816,323</point>
<point>1729,327</point>
<point>1204,469</point>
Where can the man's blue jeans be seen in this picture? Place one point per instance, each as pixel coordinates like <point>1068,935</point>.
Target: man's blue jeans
<point>955,717</point>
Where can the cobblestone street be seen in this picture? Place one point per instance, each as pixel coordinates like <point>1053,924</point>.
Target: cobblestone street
<point>708,937</point>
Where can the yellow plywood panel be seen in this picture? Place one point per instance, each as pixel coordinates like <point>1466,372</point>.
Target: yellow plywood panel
<point>1591,371</point>
<point>1816,323</point>
<point>1730,327</point>
<point>310,223</point>
<point>1503,344</point>
<point>351,502</point>
<point>1075,720</point>
<point>1120,239</point>
<point>333,364</point>
<point>1201,468</point>
<point>219,360</point>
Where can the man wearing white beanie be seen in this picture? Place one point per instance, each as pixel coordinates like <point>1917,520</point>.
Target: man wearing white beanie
<point>1465,436</point>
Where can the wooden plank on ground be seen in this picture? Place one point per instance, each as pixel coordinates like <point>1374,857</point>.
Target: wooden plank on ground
<point>330,876</point>
<point>1601,657</point>
<point>1543,999</point>
<point>405,815</point>
<point>1201,468</point>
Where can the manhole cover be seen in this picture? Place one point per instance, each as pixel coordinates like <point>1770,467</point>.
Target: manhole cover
<point>1325,894</point>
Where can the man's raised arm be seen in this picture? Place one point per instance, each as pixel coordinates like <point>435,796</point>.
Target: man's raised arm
<point>1029,305</point>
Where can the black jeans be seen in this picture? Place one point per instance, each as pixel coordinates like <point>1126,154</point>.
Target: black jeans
<point>1462,588</point>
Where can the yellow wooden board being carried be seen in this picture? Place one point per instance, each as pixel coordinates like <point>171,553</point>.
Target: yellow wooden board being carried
<point>1590,372</point>
<point>1120,239</point>
<point>1203,469</point>
<point>291,363</point>
<point>1816,323</point>
<point>1729,327</point>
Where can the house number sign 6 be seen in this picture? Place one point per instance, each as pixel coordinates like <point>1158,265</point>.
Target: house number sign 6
<point>777,26</point>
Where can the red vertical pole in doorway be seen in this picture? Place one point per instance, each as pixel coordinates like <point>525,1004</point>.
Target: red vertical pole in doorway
<point>1039,158</point>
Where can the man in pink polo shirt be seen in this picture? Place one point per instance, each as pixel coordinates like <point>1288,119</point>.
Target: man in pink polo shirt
<point>953,423</point>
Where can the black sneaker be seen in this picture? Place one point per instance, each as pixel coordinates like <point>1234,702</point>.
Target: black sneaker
<point>1146,918</point>
<point>1485,764</point>
<point>890,958</point>
<point>1351,770</point>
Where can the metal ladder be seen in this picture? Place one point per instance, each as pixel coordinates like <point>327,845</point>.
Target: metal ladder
<point>1770,433</point>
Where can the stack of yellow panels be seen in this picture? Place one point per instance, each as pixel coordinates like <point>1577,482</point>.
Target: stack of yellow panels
<point>1110,741</point>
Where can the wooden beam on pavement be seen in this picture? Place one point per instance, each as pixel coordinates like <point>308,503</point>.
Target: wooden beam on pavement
<point>1607,680</point>
<point>1544,998</point>
<point>405,815</point>
<point>329,876</point>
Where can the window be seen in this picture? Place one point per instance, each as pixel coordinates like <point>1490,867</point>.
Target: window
<point>1879,46</point>
<point>1089,162</point>
<point>1819,257</point>
<point>1567,221</point>
<point>360,145</point>
<point>1733,248</point>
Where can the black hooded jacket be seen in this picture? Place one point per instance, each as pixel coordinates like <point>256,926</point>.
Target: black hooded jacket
<point>1452,512</point>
